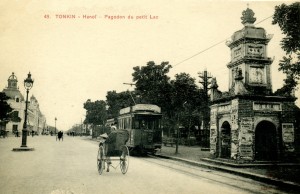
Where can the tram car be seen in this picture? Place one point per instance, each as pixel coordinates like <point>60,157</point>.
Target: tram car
<point>143,122</point>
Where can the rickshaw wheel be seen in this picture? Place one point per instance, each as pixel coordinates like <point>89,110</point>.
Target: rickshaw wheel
<point>100,160</point>
<point>124,159</point>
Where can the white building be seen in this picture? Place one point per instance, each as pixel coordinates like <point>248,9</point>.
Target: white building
<point>36,120</point>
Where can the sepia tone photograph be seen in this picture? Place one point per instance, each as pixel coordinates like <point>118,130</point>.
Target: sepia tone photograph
<point>143,97</point>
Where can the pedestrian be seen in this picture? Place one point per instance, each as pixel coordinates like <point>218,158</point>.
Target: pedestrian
<point>60,135</point>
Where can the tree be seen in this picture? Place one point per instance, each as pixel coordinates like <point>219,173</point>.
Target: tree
<point>95,112</point>
<point>187,100</point>
<point>5,109</point>
<point>117,101</point>
<point>152,83</point>
<point>288,19</point>
<point>184,90</point>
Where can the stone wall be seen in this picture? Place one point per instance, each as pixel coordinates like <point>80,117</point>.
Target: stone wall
<point>243,116</point>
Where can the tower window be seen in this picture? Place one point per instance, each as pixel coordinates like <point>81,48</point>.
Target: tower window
<point>17,99</point>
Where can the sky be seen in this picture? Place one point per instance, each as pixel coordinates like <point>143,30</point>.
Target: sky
<point>75,59</point>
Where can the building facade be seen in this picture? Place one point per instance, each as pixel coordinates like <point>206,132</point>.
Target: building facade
<point>36,120</point>
<point>249,123</point>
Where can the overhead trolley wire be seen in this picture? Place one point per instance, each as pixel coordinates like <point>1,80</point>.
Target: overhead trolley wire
<point>202,51</point>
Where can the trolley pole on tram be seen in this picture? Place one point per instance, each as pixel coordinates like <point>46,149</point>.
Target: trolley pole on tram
<point>131,84</point>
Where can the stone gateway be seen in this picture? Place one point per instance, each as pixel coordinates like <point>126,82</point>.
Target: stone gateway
<point>250,123</point>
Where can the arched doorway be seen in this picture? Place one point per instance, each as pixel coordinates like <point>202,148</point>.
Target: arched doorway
<point>225,140</point>
<point>265,141</point>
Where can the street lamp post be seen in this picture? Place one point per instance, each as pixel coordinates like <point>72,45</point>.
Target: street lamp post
<point>28,83</point>
<point>55,124</point>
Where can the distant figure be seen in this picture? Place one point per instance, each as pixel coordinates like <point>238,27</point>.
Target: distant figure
<point>51,133</point>
<point>3,133</point>
<point>60,135</point>
<point>17,133</point>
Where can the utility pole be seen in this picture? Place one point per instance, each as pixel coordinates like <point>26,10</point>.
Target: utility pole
<point>205,81</point>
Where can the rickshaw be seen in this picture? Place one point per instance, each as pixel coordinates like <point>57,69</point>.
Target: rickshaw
<point>114,149</point>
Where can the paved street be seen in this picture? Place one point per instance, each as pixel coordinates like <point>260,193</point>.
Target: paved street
<point>70,167</point>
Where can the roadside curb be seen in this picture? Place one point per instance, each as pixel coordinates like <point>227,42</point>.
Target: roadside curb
<point>258,177</point>
<point>243,165</point>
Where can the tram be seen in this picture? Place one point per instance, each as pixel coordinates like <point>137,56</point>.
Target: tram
<point>143,122</point>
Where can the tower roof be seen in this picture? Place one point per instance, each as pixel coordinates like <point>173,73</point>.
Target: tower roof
<point>12,77</point>
<point>12,90</point>
<point>12,93</point>
<point>248,17</point>
<point>249,31</point>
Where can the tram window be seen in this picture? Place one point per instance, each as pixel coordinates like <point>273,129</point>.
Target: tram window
<point>143,125</point>
<point>128,123</point>
<point>156,124</point>
<point>146,123</point>
<point>150,124</point>
<point>136,124</point>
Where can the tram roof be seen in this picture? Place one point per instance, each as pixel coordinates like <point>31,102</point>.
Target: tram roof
<point>147,113</point>
<point>141,109</point>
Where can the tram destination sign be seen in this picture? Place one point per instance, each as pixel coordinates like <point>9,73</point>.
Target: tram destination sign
<point>141,107</point>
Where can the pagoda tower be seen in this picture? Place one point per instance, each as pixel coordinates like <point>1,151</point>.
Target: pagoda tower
<point>248,122</point>
<point>249,57</point>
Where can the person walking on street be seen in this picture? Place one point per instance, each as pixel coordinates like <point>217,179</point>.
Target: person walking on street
<point>60,135</point>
